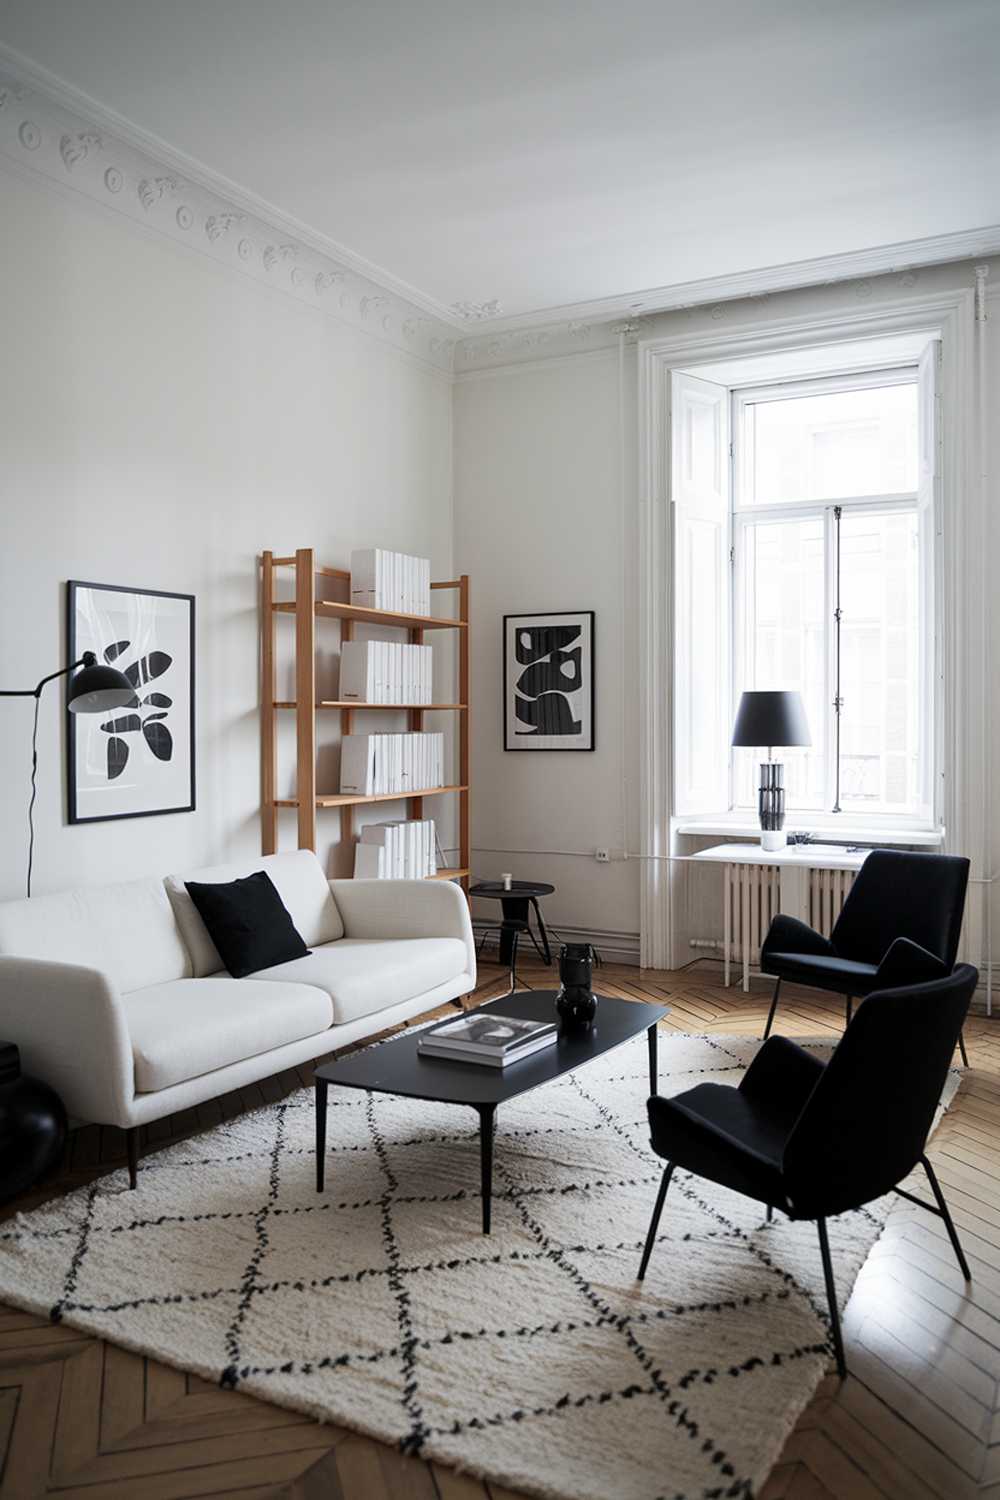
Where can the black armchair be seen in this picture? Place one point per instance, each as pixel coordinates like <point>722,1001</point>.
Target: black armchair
<point>816,1139</point>
<point>899,925</point>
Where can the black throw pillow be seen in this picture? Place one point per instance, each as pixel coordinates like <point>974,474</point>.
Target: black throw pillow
<point>248,923</point>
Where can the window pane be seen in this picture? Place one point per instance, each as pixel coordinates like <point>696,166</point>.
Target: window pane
<point>830,447</point>
<point>880,668</point>
<point>781,635</point>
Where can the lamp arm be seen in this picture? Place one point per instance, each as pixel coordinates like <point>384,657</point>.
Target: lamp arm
<point>88,659</point>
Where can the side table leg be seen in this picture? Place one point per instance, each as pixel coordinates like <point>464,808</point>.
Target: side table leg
<point>486,1123</point>
<point>321,1088</point>
<point>653,1071</point>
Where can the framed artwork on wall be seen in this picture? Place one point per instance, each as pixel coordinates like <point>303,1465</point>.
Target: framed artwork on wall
<point>548,681</point>
<point>139,760</point>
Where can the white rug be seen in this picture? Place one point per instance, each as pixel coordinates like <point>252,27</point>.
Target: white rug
<point>532,1357</point>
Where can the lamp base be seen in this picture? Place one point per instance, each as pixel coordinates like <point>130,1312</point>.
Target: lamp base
<point>773,839</point>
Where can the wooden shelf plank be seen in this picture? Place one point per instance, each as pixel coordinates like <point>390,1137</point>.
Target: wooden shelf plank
<point>353,703</point>
<point>330,610</point>
<point>352,799</point>
<point>448,874</point>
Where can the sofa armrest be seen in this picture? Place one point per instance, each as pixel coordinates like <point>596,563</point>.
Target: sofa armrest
<point>405,909</point>
<point>69,1024</point>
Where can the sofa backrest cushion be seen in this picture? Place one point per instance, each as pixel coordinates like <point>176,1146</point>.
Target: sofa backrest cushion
<point>127,931</point>
<point>299,880</point>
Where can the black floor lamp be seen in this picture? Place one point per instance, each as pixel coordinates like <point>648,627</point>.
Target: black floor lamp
<point>94,690</point>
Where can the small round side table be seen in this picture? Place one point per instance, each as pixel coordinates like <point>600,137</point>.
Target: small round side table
<point>516,906</point>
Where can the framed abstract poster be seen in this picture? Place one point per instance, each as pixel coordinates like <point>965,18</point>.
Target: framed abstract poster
<point>139,759</point>
<point>548,681</point>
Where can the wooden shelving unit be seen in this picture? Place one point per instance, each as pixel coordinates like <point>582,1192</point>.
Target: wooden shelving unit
<point>306,609</point>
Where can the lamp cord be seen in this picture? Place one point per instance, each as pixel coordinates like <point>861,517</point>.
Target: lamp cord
<point>34,789</point>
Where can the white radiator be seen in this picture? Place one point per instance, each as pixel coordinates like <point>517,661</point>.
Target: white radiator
<point>753,899</point>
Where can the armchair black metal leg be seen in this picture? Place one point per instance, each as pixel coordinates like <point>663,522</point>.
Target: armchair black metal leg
<point>831,1297</point>
<point>849,1010</point>
<point>654,1223</point>
<point>963,1264</point>
<point>774,1007</point>
<point>961,1048</point>
<point>770,1212</point>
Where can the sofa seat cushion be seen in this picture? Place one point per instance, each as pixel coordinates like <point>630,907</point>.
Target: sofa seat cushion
<point>362,975</point>
<point>193,1026</point>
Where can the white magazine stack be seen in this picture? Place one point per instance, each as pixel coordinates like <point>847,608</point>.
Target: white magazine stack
<point>397,851</point>
<point>379,764</point>
<point>392,581</point>
<point>386,672</point>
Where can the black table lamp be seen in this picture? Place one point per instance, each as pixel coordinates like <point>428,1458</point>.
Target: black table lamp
<point>773,718</point>
<point>95,689</point>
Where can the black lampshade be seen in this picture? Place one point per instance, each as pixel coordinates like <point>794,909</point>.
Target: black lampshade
<point>771,719</point>
<point>97,689</point>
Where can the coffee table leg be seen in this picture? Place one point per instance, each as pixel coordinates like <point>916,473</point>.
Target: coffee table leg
<point>653,1074</point>
<point>321,1088</point>
<point>487,1114</point>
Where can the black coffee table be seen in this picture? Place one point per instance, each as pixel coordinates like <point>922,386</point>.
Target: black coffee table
<point>396,1067</point>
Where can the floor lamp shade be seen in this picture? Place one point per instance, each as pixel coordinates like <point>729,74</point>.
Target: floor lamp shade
<point>97,689</point>
<point>769,719</point>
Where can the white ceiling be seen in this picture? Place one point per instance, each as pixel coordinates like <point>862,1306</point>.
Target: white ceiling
<point>541,153</point>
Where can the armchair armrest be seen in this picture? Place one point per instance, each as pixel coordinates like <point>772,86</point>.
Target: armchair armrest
<point>788,935</point>
<point>70,1026</point>
<point>782,1071</point>
<point>905,962</point>
<point>406,909</point>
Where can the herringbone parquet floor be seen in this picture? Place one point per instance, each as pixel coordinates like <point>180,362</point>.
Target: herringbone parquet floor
<point>919,1415</point>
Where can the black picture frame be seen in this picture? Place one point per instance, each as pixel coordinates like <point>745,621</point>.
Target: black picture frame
<point>79,799</point>
<point>578,706</point>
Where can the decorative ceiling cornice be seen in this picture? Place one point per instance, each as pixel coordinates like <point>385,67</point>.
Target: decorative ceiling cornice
<point>41,134</point>
<point>65,134</point>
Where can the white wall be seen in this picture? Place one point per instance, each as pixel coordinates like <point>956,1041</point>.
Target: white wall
<point>162,420</point>
<point>542,524</point>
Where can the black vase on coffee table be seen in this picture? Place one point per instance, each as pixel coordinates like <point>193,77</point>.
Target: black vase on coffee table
<point>32,1125</point>
<point>576,1003</point>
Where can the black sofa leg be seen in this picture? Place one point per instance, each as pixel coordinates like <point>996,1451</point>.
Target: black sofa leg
<point>132,1148</point>
<point>961,1048</point>
<point>963,1264</point>
<point>654,1222</point>
<point>831,1297</point>
<point>774,1007</point>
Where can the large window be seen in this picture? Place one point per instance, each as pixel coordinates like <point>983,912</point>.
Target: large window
<point>827,585</point>
<point>804,515</point>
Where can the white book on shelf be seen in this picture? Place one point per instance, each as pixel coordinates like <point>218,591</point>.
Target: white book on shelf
<point>356,672</point>
<point>357,764</point>
<point>369,862</point>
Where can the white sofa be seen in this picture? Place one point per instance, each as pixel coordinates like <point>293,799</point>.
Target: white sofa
<point>117,997</point>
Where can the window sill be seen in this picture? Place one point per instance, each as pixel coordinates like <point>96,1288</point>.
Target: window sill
<point>730,825</point>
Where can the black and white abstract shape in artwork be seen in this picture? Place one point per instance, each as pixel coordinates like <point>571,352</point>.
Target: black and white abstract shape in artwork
<point>549,681</point>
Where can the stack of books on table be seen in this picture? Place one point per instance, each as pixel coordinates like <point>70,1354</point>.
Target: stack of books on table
<point>377,764</point>
<point>391,581</point>
<point>386,672</point>
<point>396,851</point>
<point>490,1040</point>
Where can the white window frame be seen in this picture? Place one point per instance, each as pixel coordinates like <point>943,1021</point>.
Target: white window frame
<point>946,313</point>
<point>743,514</point>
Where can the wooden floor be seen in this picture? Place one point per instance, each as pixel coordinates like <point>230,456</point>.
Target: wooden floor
<point>919,1415</point>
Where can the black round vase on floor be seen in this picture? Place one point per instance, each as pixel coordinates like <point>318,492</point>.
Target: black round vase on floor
<point>32,1125</point>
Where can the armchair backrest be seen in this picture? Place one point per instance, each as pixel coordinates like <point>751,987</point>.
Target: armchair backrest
<point>898,894</point>
<point>866,1122</point>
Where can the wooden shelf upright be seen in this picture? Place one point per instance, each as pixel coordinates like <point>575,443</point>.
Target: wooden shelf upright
<point>306,608</point>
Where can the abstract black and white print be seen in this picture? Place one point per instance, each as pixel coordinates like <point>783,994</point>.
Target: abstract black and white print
<point>549,681</point>
<point>139,759</point>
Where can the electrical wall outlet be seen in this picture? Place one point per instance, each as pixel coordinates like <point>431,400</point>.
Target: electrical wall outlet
<point>603,856</point>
